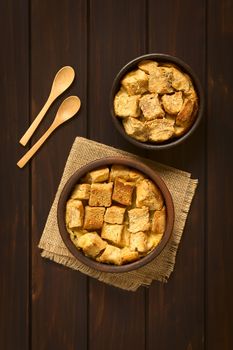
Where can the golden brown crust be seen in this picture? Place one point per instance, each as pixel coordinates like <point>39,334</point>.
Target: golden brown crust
<point>135,128</point>
<point>114,215</point>
<point>184,117</point>
<point>135,82</point>
<point>149,195</point>
<point>160,81</point>
<point>138,242</point>
<point>91,244</point>
<point>101,195</point>
<point>111,255</point>
<point>94,218</point>
<point>159,221</point>
<point>160,130</point>
<point>151,107</point>
<point>74,213</point>
<point>148,66</point>
<point>172,103</point>
<point>125,105</point>
<point>139,219</point>
<point>123,191</point>
<point>81,191</point>
<point>112,233</point>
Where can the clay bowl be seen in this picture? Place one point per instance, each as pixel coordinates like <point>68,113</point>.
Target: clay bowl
<point>165,59</point>
<point>66,192</point>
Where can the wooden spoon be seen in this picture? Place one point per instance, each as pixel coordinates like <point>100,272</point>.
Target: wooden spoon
<point>69,107</point>
<point>63,79</point>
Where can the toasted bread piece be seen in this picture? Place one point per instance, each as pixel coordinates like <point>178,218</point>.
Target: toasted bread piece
<point>160,81</point>
<point>91,244</point>
<point>138,242</point>
<point>74,213</point>
<point>160,130</point>
<point>179,130</point>
<point>125,173</point>
<point>184,117</point>
<point>94,218</point>
<point>98,175</point>
<point>180,82</point>
<point>75,233</point>
<point>151,107</point>
<point>148,194</point>
<point>122,191</point>
<point>125,105</point>
<point>159,221</point>
<point>139,219</point>
<point>148,66</point>
<point>101,195</point>
<point>111,255</point>
<point>125,237</point>
<point>135,128</point>
<point>135,82</point>
<point>173,103</point>
<point>114,215</point>
<point>81,191</point>
<point>127,255</point>
<point>112,233</point>
<point>153,240</point>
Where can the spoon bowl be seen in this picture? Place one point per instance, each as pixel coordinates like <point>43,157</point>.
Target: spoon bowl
<point>67,109</point>
<point>63,79</point>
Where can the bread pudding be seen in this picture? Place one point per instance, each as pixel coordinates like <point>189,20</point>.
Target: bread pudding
<point>115,214</point>
<point>156,102</point>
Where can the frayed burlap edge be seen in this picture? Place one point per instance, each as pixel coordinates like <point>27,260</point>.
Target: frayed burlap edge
<point>161,267</point>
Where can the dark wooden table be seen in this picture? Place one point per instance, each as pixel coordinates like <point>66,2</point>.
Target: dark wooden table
<point>46,306</point>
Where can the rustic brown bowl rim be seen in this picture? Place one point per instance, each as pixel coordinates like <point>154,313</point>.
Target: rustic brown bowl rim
<point>161,58</point>
<point>65,194</point>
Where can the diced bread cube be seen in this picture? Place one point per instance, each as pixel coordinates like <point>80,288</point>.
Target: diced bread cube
<point>125,105</point>
<point>91,244</point>
<point>160,130</point>
<point>153,240</point>
<point>180,81</point>
<point>135,128</point>
<point>94,218</point>
<point>114,215</point>
<point>81,191</point>
<point>159,221</point>
<point>148,194</point>
<point>125,237</point>
<point>128,255</point>
<point>111,255</point>
<point>184,117</point>
<point>98,175</point>
<point>139,219</point>
<point>112,233</point>
<point>75,233</point>
<point>74,213</point>
<point>101,195</point>
<point>138,242</point>
<point>135,82</point>
<point>151,107</point>
<point>160,81</point>
<point>125,173</point>
<point>148,66</point>
<point>122,191</point>
<point>173,103</point>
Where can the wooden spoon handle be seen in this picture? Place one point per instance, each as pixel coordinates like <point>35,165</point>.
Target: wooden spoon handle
<point>37,145</point>
<point>30,131</point>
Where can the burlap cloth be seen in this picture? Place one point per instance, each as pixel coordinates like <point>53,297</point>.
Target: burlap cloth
<point>182,188</point>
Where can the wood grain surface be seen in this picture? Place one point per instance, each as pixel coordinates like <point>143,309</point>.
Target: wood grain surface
<point>47,306</point>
